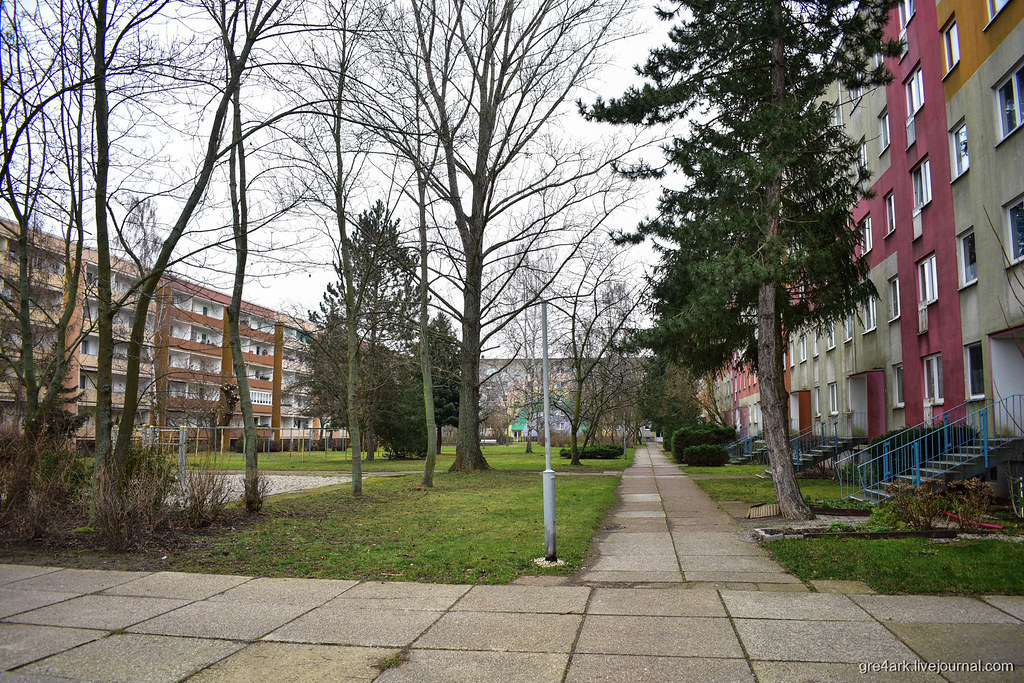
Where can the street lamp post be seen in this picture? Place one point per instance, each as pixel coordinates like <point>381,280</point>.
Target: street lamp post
<point>548,476</point>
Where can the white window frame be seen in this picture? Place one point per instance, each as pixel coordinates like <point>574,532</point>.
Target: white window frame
<point>1015,229</point>
<point>995,7</point>
<point>867,241</point>
<point>830,337</point>
<point>927,280</point>
<point>921,178</point>
<point>803,347</point>
<point>814,345</point>
<point>848,328</point>
<point>890,213</point>
<point>862,154</point>
<point>870,316</point>
<point>1015,82</point>
<point>833,398</point>
<point>898,388</point>
<point>915,91</point>
<point>894,298</point>
<point>816,399</point>
<point>951,41</point>
<point>907,12</point>
<point>959,156</point>
<point>883,130</point>
<point>933,389</point>
<point>971,393</point>
<point>967,278</point>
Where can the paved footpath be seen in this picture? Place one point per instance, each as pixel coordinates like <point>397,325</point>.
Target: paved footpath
<point>673,593</point>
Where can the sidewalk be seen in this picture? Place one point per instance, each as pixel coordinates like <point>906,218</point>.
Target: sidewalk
<point>629,616</point>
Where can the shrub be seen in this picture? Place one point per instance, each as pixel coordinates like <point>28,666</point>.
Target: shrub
<point>130,511</point>
<point>602,451</point>
<point>915,506</point>
<point>714,434</point>
<point>969,500</point>
<point>204,494</point>
<point>705,455</point>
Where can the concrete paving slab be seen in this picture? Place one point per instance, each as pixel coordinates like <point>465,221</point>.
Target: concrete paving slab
<point>635,563</point>
<point>728,563</point>
<point>626,544</point>
<point>844,587</point>
<point>181,585</point>
<point>230,620</point>
<point>646,669</point>
<point>400,595</point>
<point>745,577</point>
<point>17,572</point>
<point>966,644</point>
<point>820,641</point>
<point>308,592</point>
<point>108,612</point>
<point>783,587</point>
<point>666,636</point>
<point>369,627</point>
<point>664,602</point>
<point>504,631</point>
<point>296,663</point>
<point>556,599</point>
<point>447,665</point>
<point>79,581</point>
<point>16,601</point>
<point>540,580</point>
<point>21,644</point>
<point>1011,604</point>
<point>641,497</point>
<point>134,658</point>
<point>936,609</point>
<point>640,513</point>
<point>808,606</point>
<point>811,672</point>
<point>591,576</point>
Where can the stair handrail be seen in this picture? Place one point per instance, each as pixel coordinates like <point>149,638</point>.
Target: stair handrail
<point>984,424</point>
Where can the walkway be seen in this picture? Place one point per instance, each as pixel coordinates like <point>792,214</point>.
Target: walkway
<point>735,617</point>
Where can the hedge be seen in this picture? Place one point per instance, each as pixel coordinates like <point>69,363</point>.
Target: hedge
<point>602,451</point>
<point>705,455</point>
<point>714,434</point>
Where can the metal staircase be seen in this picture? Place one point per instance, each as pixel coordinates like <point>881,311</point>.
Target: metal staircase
<point>830,438</point>
<point>964,442</point>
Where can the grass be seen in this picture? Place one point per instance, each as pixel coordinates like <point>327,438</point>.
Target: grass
<point>757,491</point>
<point>908,565</point>
<point>510,457</point>
<point>725,469</point>
<point>470,528</point>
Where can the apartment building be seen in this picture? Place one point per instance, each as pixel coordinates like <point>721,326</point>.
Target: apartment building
<point>186,360</point>
<point>942,232</point>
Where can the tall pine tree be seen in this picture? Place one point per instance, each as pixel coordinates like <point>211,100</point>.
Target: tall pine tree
<point>759,241</point>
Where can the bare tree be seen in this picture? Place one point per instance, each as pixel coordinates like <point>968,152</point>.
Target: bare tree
<point>491,80</point>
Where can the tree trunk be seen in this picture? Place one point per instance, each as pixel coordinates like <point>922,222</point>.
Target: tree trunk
<point>425,368</point>
<point>769,337</point>
<point>468,456</point>
<point>353,411</point>
<point>240,226</point>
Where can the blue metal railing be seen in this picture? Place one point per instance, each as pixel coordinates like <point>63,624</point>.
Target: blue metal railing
<point>966,433</point>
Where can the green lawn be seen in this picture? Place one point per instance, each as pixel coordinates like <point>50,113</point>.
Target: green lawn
<point>499,457</point>
<point>757,491</point>
<point>725,469</point>
<point>908,565</point>
<point>470,528</point>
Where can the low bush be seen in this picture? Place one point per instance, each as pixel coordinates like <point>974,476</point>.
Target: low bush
<point>131,510</point>
<point>204,494</point>
<point>601,451</point>
<point>916,507</point>
<point>713,434</point>
<point>705,455</point>
<point>969,500</point>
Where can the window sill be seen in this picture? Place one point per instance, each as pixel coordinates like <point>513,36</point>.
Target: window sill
<point>993,18</point>
<point>831,348</point>
<point>951,70</point>
<point>890,233</point>
<point>1009,135</point>
<point>968,284</point>
<point>866,332</point>
<point>894,319</point>
<point>884,150</point>
<point>976,397</point>
<point>961,175</point>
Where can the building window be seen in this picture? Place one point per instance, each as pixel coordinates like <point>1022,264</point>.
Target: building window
<point>1011,102</point>
<point>927,281</point>
<point>833,398</point>
<point>890,214</point>
<point>816,396</point>
<point>915,91</point>
<point>862,154</point>
<point>894,299</point>
<point>975,372</point>
<point>922,177</point>
<point>814,345</point>
<point>952,39</point>
<point>848,328</point>
<point>883,130</point>
<point>933,379</point>
<point>814,371</point>
<point>803,347</point>
<point>792,356</point>
<point>869,315</point>
<point>866,240</point>
<point>837,113</point>
<point>897,378</point>
<point>994,6</point>
<point>262,398</point>
<point>830,337</point>
<point>1016,215</point>
<point>968,259</point>
<point>907,12</point>
<point>961,162</point>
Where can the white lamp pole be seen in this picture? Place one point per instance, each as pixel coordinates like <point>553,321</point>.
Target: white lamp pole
<point>549,474</point>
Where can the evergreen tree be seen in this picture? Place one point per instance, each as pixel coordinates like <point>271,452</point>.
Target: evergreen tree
<point>759,241</point>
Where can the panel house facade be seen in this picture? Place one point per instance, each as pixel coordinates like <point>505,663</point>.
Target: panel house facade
<point>186,359</point>
<point>942,232</point>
